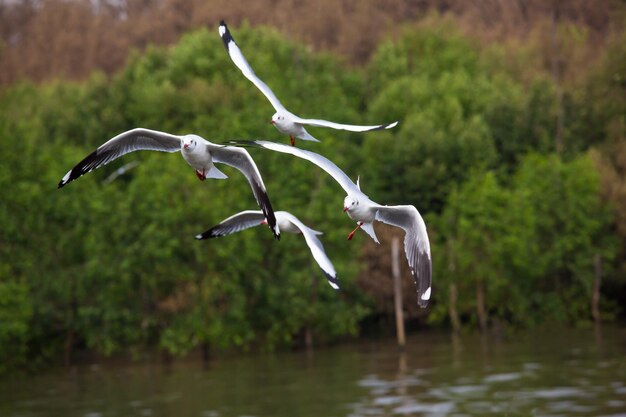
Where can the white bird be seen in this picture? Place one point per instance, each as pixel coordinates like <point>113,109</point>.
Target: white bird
<point>286,222</point>
<point>198,152</point>
<point>285,121</point>
<point>359,207</point>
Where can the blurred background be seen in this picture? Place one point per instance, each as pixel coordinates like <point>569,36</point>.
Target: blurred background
<point>511,144</point>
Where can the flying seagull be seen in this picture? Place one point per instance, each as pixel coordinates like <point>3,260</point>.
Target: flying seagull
<point>286,222</point>
<point>359,207</point>
<point>198,152</point>
<point>285,121</point>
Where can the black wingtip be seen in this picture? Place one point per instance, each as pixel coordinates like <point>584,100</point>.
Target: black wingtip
<point>225,34</point>
<point>69,177</point>
<point>92,161</point>
<point>332,280</point>
<point>268,212</point>
<point>209,234</point>
<point>267,209</point>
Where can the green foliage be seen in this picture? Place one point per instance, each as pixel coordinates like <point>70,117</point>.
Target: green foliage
<point>455,117</point>
<point>605,95</point>
<point>113,267</point>
<point>428,52</point>
<point>116,265</point>
<point>532,244</point>
<point>15,315</point>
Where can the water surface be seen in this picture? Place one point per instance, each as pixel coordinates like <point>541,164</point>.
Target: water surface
<point>539,373</point>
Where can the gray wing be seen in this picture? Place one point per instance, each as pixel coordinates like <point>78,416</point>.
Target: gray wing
<point>333,170</point>
<point>317,249</point>
<point>416,245</point>
<point>133,140</point>
<point>240,61</point>
<point>341,126</point>
<point>235,223</point>
<point>240,158</point>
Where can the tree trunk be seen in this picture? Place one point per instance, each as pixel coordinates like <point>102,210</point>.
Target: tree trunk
<point>397,291</point>
<point>69,344</point>
<point>308,329</point>
<point>595,295</point>
<point>452,311</point>
<point>453,294</point>
<point>480,305</point>
<point>308,338</point>
<point>206,354</point>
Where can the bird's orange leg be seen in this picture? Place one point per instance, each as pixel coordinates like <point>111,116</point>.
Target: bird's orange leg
<point>293,140</point>
<point>201,175</point>
<point>358,225</point>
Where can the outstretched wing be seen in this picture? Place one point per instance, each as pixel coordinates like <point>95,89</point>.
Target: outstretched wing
<point>240,61</point>
<point>416,245</point>
<point>133,140</point>
<point>333,170</point>
<point>235,223</point>
<point>240,158</point>
<point>341,126</point>
<point>317,249</point>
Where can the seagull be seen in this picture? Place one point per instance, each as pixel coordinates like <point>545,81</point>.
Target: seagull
<point>359,207</point>
<point>285,121</point>
<point>198,152</point>
<point>286,222</point>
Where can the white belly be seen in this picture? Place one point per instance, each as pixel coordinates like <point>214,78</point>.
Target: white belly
<point>363,212</point>
<point>199,159</point>
<point>291,129</point>
<point>285,225</point>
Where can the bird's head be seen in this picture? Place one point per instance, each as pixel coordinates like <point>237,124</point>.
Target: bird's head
<point>190,142</point>
<point>349,203</point>
<point>277,119</point>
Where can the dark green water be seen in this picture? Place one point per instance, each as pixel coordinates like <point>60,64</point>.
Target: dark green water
<point>542,373</point>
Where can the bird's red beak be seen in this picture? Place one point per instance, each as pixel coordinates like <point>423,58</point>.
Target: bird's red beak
<point>272,122</point>
<point>345,209</point>
<point>186,145</point>
<point>264,221</point>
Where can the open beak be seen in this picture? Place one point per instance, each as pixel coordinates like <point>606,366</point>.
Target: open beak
<point>345,209</point>
<point>185,146</point>
<point>272,122</point>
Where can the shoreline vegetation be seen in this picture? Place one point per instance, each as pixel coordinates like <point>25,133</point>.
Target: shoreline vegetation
<point>511,144</point>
